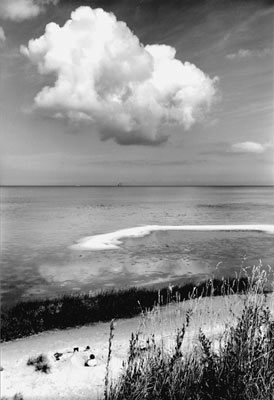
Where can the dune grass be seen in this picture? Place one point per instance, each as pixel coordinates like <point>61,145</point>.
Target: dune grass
<point>240,367</point>
<point>40,363</point>
<point>31,317</point>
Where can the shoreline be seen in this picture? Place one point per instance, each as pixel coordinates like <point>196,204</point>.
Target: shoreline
<point>35,316</point>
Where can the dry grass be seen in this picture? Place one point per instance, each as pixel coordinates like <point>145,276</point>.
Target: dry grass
<point>236,363</point>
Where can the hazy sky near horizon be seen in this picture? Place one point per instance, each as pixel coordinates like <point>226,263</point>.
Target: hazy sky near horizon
<point>96,101</point>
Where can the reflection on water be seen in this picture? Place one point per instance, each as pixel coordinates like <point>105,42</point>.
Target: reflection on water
<point>40,225</point>
<point>157,259</point>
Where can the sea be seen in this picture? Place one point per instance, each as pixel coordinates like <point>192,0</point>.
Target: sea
<point>40,227</point>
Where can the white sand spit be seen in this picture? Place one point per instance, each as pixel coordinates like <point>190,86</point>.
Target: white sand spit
<point>112,241</point>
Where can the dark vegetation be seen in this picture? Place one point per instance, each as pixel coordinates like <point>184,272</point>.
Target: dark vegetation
<point>31,317</point>
<point>242,367</point>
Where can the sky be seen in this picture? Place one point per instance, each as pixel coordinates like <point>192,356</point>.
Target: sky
<point>140,92</point>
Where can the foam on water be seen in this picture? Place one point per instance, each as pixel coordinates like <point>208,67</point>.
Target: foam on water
<point>113,240</point>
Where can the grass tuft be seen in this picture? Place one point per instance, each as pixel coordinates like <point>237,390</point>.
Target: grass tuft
<point>107,378</point>
<point>40,363</point>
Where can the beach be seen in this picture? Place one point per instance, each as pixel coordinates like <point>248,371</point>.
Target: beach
<point>69,379</point>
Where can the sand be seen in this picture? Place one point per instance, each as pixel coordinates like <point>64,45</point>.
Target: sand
<point>69,379</point>
<point>113,240</point>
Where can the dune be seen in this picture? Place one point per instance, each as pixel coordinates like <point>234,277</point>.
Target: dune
<point>69,379</point>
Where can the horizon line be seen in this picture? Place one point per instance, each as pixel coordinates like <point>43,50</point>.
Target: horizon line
<point>138,185</point>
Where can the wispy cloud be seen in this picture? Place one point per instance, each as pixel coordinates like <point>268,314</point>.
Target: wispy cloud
<point>250,147</point>
<point>19,10</point>
<point>247,53</point>
<point>255,107</point>
<point>236,29</point>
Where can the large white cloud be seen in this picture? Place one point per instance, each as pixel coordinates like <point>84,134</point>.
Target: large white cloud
<point>107,78</point>
<point>19,10</point>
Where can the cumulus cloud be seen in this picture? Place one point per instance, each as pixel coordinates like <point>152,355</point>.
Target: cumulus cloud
<point>247,53</point>
<point>19,10</point>
<point>250,147</point>
<point>2,35</point>
<point>107,79</point>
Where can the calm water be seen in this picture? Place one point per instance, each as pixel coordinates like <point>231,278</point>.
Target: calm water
<point>40,224</point>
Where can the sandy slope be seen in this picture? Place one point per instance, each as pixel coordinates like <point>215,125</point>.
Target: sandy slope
<point>70,379</point>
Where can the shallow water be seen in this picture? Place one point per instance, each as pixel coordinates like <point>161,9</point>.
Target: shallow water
<point>39,226</point>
